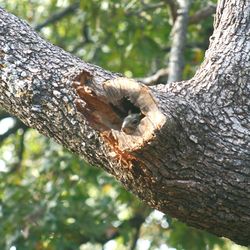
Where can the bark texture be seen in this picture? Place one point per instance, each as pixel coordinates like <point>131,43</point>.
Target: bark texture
<point>191,160</point>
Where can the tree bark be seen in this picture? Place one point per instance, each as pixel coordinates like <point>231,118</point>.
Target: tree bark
<point>190,154</point>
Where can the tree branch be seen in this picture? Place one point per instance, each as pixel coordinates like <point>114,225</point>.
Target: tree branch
<point>178,35</point>
<point>59,15</point>
<point>86,39</point>
<point>173,8</point>
<point>188,154</point>
<point>146,7</point>
<point>20,151</point>
<point>136,235</point>
<point>4,115</point>
<point>154,79</point>
<point>13,130</point>
<point>202,14</point>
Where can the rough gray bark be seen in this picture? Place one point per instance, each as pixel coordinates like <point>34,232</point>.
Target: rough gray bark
<point>192,162</point>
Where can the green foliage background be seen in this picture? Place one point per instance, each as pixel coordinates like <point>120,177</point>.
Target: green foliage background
<point>51,199</point>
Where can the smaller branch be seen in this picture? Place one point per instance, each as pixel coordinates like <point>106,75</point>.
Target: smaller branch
<point>86,40</point>
<point>146,7</point>
<point>201,45</point>
<point>112,232</point>
<point>4,115</point>
<point>178,34</point>
<point>59,15</point>
<point>12,130</point>
<point>21,146</point>
<point>173,9</point>
<point>203,14</point>
<point>136,236</point>
<point>155,78</point>
<point>85,32</point>
<point>78,46</point>
<point>20,152</point>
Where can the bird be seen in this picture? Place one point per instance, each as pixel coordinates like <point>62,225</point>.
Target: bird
<point>131,122</point>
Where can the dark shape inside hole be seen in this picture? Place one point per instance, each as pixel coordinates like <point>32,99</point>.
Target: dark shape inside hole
<point>125,107</point>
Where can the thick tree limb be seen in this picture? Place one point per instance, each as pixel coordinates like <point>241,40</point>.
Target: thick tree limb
<point>189,155</point>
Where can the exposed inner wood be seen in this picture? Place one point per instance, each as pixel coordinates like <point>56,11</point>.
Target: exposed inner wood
<point>107,108</point>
